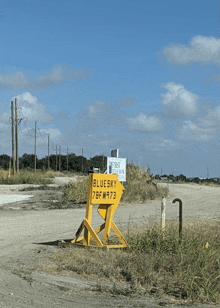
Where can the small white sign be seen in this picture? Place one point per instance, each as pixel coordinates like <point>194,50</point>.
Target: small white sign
<point>115,153</point>
<point>116,165</point>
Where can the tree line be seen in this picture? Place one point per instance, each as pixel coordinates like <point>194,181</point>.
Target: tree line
<point>70,162</point>
<point>183,178</point>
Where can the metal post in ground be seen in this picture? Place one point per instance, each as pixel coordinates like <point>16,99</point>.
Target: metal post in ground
<point>180,216</point>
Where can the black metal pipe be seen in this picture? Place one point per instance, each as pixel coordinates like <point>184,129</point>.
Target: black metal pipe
<point>180,215</point>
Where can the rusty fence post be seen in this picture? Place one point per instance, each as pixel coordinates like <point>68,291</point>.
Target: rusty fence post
<point>180,216</point>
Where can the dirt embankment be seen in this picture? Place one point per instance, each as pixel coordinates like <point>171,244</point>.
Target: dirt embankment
<point>27,235</point>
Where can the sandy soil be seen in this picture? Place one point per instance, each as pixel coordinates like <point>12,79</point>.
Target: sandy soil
<point>26,232</point>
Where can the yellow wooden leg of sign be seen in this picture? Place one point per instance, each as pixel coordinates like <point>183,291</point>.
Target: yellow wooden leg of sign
<point>107,224</point>
<point>102,210</point>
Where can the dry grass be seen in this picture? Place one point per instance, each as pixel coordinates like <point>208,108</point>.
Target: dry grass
<point>76,191</point>
<point>139,186</point>
<point>26,177</point>
<point>156,263</point>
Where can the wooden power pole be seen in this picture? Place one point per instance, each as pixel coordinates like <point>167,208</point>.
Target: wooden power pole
<point>82,160</point>
<point>67,160</point>
<point>56,157</point>
<point>59,157</point>
<point>16,135</point>
<point>13,136</point>
<point>35,148</point>
<point>48,151</point>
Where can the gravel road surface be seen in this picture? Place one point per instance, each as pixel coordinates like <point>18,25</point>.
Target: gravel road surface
<point>23,233</point>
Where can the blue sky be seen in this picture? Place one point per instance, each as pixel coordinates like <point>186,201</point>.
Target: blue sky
<point>141,76</point>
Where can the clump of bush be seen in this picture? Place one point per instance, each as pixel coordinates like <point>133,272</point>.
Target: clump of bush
<point>76,191</point>
<point>139,186</point>
<point>157,263</point>
<point>25,177</point>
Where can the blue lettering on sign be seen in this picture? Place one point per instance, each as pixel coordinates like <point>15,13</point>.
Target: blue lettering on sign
<point>115,165</point>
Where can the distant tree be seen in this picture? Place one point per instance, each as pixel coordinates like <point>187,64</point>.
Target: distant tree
<point>4,161</point>
<point>27,161</point>
<point>181,178</point>
<point>98,161</point>
<point>164,176</point>
<point>53,162</point>
<point>81,164</point>
<point>71,163</point>
<point>196,180</point>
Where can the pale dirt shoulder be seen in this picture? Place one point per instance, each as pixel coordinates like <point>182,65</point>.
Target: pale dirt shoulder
<point>24,248</point>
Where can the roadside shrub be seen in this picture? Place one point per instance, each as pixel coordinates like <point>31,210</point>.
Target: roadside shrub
<point>76,191</point>
<point>139,186</point>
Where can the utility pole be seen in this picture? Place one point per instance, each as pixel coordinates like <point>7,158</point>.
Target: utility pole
<point>56,158</point>
<point>67,159</point>
<point>35,148</point>
<point>82,160</point>
<point>48,151</point>
<point>16,135</point>
<point>13,136</point>
<point>59,157</point>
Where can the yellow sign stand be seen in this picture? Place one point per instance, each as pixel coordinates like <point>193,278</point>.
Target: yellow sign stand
<point>105,190</point>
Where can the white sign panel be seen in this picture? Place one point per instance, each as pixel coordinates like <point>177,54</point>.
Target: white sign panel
<point>116,165</point>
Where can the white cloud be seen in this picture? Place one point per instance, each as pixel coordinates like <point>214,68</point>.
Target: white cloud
<point>159,145</point>
<point>204,129</point>
<point>31,109</point>
<point>109,117</point>
<point>58,75</point>
<point>212,118</point>
<point>201,49</point>
<point>98,116</point>
<point>144,123</point>
<point>196,132</point>
<point>54,134</point>
<point>178,101</point>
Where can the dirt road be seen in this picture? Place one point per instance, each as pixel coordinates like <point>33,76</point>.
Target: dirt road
<point>23,232</point>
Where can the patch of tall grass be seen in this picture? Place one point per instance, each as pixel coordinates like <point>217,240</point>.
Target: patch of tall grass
<point>157,263</point>
<point>76,191</point>
<point>26,177</point>
<point>139,186</point>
